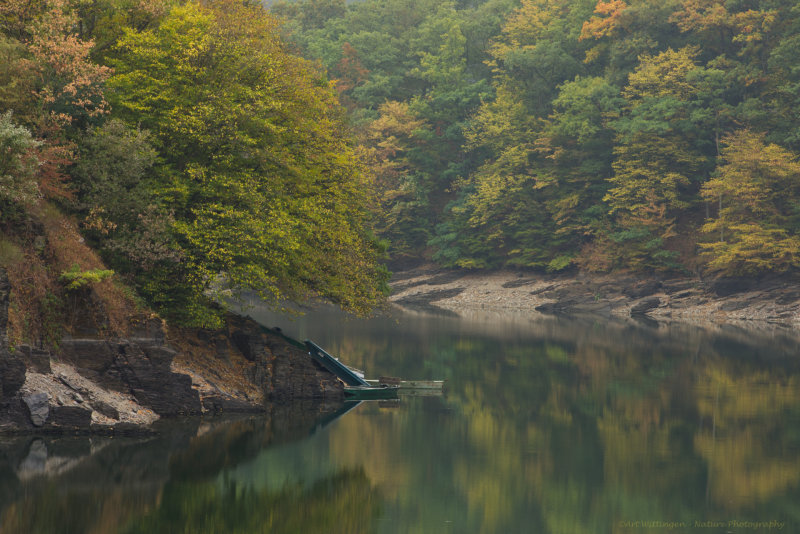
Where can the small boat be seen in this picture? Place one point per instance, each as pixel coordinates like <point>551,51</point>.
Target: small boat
<point>370,392</point>
<point>350,377</point>
<point>356,388</point>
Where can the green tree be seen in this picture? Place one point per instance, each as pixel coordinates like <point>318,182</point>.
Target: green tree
<point>577,144</point>
<point>502,218</point>
<point>514,208</point>
<point>115,182</point>
<point>783,72</point>
<point>18,163</point>
<point>451,97</point>
<point>266,192</point>
<point>619,32</point>
<point>396,153</point>
<point>17,81</point>
<point>538,50</point>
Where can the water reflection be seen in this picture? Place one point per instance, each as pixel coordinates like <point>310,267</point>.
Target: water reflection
<point>175,481</point>
<point>559,424</point>
<point>550,425</point>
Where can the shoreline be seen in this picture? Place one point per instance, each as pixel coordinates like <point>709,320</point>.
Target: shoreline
<point>768,300</point>
<point>123,386</point>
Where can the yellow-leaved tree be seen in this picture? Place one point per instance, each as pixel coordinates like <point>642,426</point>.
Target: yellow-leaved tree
<point>757,227</point>
<point>657,158</point>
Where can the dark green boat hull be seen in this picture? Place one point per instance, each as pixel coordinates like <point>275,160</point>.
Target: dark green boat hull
<point>370,392</point>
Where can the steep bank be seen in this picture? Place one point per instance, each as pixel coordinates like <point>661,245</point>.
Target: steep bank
<point>769,299</point>
<point>112,384</point>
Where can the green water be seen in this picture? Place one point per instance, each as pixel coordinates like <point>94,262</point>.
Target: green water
<point>551,425</point>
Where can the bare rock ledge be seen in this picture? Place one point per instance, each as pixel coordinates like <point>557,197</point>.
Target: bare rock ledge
<point>771,299</point>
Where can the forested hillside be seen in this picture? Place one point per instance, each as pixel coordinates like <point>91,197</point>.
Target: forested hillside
<point>653,135</point>
<point>174,148</point>
<point>174,152</point>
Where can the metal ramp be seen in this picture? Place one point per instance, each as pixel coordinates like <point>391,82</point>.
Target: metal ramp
<point>334,365</point>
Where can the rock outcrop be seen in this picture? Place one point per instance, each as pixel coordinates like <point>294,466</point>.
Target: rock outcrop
<point>122,385</point>
<point>142,368</point>
<point>246,364</point>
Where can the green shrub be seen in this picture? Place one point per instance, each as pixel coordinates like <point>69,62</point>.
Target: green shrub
<point>75,278</point>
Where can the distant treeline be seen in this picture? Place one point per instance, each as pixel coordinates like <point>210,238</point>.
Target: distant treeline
<point>555,134</point>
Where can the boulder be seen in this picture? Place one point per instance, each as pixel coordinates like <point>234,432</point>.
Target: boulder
<point>141,367</point>
<point>38,407</point>
<point>645,305</point>
<point>147,372</point>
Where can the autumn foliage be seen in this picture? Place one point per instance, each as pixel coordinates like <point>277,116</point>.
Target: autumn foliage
<point>555,134</point>
<point>182,145</point>
<point>201,157</point>
<point>606,21</point>
<point>756,225</point>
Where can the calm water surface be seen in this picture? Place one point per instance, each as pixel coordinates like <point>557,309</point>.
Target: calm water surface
<point>551,425</point>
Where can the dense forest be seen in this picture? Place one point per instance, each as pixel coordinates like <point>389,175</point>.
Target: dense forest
<point>648,135</point>
<point>178,152</point>
<point>169,155</point>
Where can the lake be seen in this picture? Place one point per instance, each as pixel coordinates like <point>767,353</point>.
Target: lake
<point>548,425</point>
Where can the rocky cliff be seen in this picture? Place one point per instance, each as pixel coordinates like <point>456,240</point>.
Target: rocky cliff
<point>124,384</point>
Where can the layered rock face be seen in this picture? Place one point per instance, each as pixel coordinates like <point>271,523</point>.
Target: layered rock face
<point>141,368</point>
<point>244,366</point>
<point>289,373</point>
<point>119,385</point>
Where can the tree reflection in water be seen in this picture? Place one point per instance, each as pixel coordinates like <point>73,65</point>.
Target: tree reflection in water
<point>559,424</point>
<point>549,425</point>
<point>174,482</point>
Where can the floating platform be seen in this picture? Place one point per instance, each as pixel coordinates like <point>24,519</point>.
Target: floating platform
<point>370,392</point>
<point>432,385</point>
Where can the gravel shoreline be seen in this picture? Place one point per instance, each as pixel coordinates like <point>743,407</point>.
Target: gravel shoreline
<point>774,299</point>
